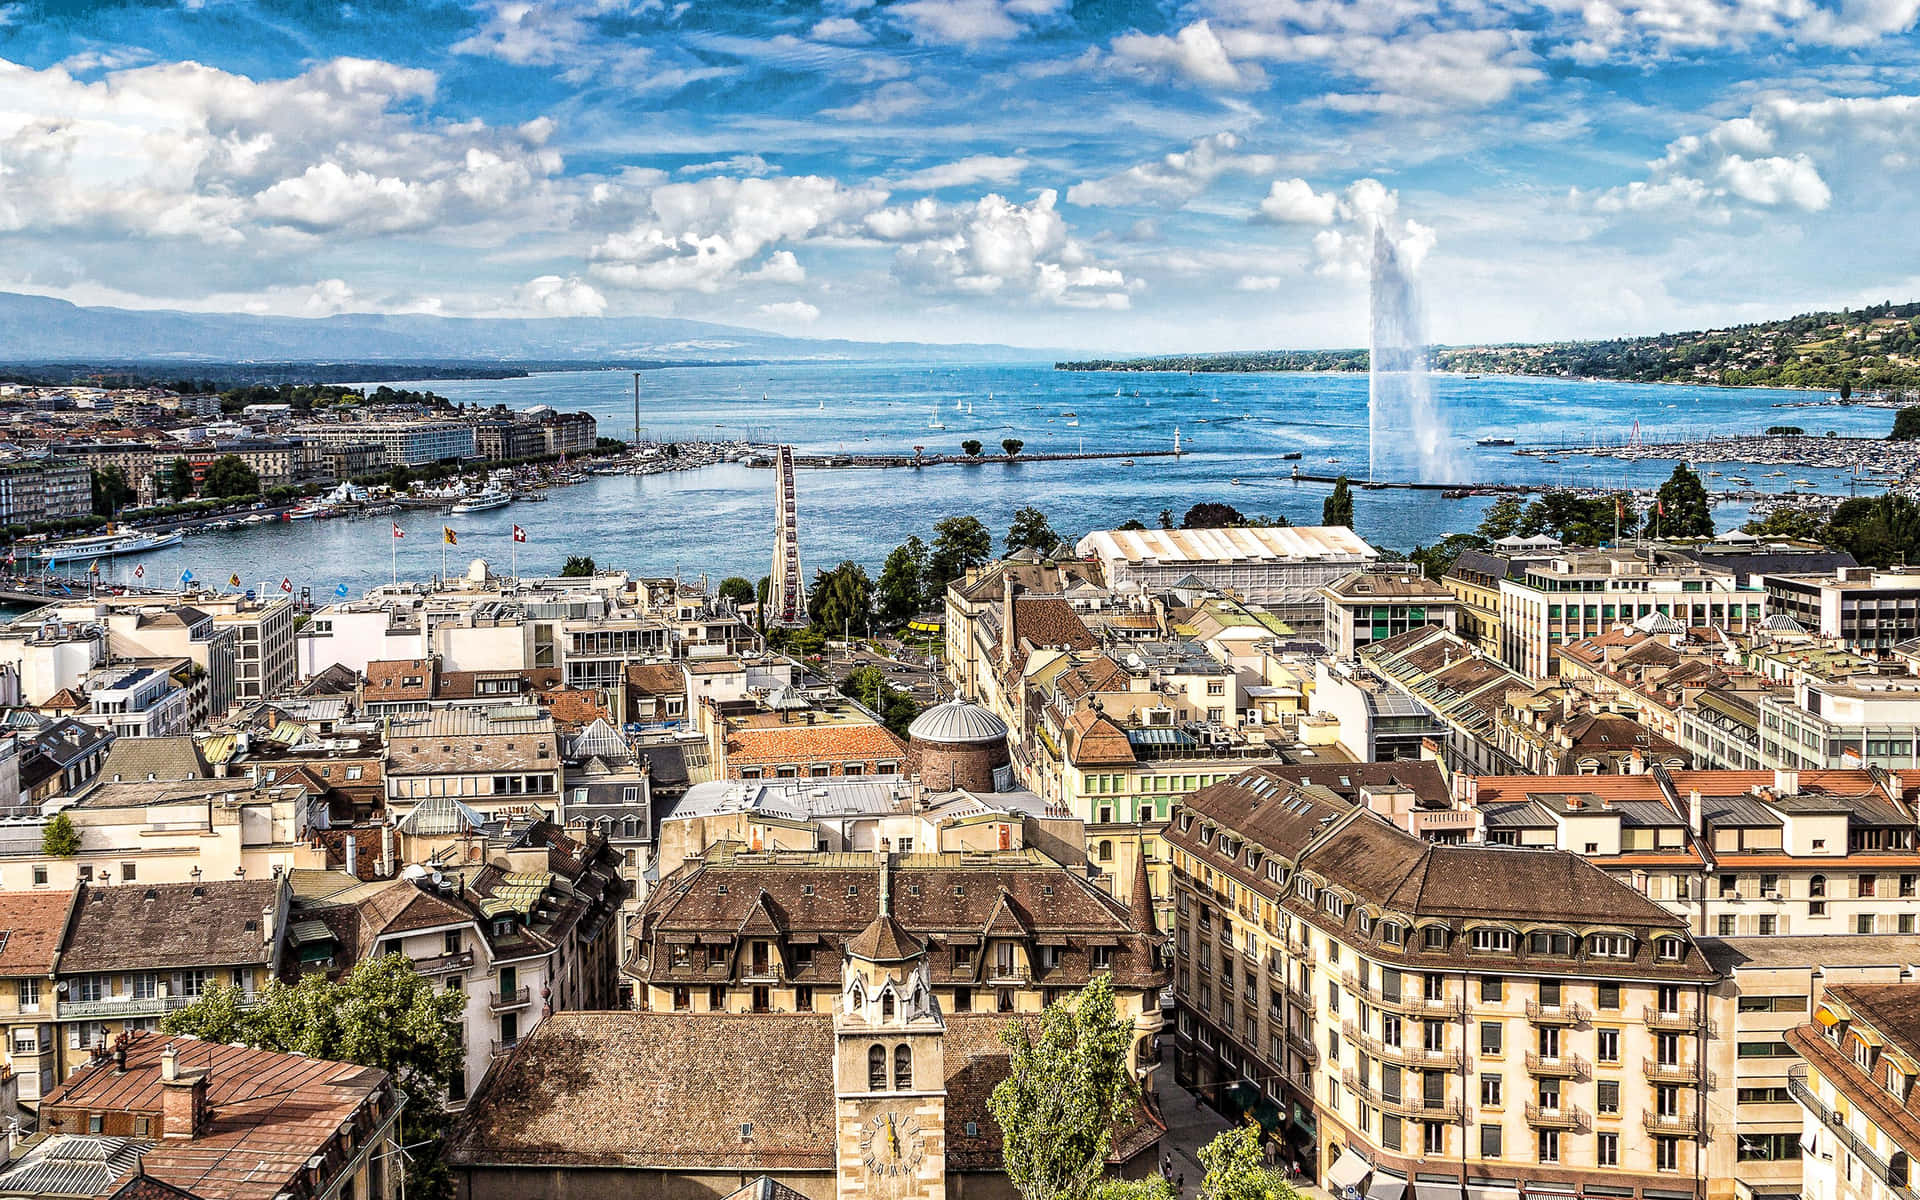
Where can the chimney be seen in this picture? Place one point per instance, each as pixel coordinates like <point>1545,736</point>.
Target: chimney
<point>1696,813</point>
<point>1575,802</point>
<point>386,851</point>
<point>353,853</point>
<point>267,924</point>
<point>1786,783</point>
<point>1008,637</point>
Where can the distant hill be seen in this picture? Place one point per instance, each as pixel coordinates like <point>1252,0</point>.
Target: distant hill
<point>1871,349</point>
<point>37,329</point>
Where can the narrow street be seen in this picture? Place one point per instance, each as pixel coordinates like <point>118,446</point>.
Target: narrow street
<point>1191,1125</point>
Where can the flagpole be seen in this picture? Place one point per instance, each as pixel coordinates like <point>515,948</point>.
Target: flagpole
<point>393,551</point>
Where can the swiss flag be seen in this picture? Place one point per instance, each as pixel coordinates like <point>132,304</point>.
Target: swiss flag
<point>286,584</point>
<point>519,534</point>
<point>397,531</point>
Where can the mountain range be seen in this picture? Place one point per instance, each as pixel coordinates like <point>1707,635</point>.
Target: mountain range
<point>39,329</point>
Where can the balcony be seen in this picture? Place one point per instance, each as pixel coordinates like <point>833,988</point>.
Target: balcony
<point>1685,1073</point>
<point>1838,1127</point>
<point>519,997</point>
<point>1300,1001</point>
<point>1675,1124</point>
<point>1677,1020</point>
<point>1565,1117</point>
<point>1303,1045</point>
<point>1565,1066</point>
<point>1430,1006</point>
<point>444,964</point>
<point>1555,1014</point>
<point>500,1048</point>
<point>125,1007</point>
<point>1414,1106</point>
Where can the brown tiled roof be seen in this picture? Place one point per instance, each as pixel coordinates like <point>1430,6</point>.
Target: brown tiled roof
<point>1093,740</point>
<point>137,758</point>
<point>882,941</point>
<point>269,1113</point>
<point>65,700</point>
<point>133,927</point>
<point>1045,621</point>
<point>1892,1009</point>
<point>574,707</point>
<point>656,679</point>
<point>394,679</point>
<point>797,744</point>
<point>32,925</point>
<point>1867,1097</point>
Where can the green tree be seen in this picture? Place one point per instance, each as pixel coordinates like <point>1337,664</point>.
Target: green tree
<point>111,491</point>
<point>1878,531</point>
<point>577,566</point>
<point>971,447</point>
<point>177,481</point>
<point>1846,390</point>
<point>959,545</point>
<point>841,599</point>
<point>381,1014</point>
<point>1031,531</point>
<point>1790,524</point>
<point>1133,523</point>
<point>1166,518</point>
<point>1236,1170</point>
<point>1436,560</point>
<point>231,476</point>
<point>1683,509</point>
<point>1011,445</point>
<point>59,838</point>
<point>1337,508</point>
<point>900,581</point>
<point>895,708</point>
<point>1503,518</point>
<point>1211,514</point>
<point>737,589</point>
<point>1065,1089</point>
<point>1906,425</point>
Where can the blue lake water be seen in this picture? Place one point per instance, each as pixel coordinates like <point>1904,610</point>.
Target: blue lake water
<point>719,520</point>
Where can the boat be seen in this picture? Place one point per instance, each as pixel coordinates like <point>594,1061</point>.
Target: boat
<point>1333,460</point>
<point>1236,483</point>
<point>1290,456</point>
<point>1126,462</point>
<point>933,419</point>
<point>1714,474</point>
<point>1803,483</point>
<point>1073,423</point>
<point>1493,441</point>
<point>104,545</point>
<point>483,501</point>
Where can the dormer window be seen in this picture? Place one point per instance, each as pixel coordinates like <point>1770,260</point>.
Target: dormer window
<point>1334,904</point>
<point>1364,924</point>
<point>1303,888</point>
<point>1436,937</point>
<point>1610,945</point>
<point>1670,949</point>
<point>1492,941</point>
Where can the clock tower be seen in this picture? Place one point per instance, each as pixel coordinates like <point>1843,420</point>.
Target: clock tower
<point>889,1067</point>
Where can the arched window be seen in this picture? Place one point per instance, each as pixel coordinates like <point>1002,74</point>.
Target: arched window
<point>886,1006</point>
<point>1106,851</point>
<point>1817,886</point>
<point>902,1069</point>
<point>876,1068</point>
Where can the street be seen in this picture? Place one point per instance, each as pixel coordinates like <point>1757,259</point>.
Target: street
<point>1191,1125</point>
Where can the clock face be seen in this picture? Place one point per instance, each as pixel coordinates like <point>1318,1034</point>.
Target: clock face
<point>891,1146</point>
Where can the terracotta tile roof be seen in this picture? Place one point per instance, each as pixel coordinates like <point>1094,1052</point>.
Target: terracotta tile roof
<point>1045,621</point>
<point>1838,783</point>
<point>656,679</point>
<point>1093,740</point>
<point>1868,1099</point>
<point>269,1113</point>
<point>133,927</point>
<point>574,707</point>
<point>800,744</point>
<point>32,926</point>
<point>393,679</point>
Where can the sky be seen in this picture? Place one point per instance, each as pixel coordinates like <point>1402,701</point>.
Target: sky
<point>1119,176</point>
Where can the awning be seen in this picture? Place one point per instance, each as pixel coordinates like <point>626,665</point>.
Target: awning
<point>1425,1190</point>
<point>1826,1016</point>
<point>1387,1186</point>
<point>1493,1189</point>
<point>1862,1034</point>
<point>1348,1172</point>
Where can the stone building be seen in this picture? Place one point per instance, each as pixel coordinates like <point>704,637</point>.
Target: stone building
<point>960,746</point>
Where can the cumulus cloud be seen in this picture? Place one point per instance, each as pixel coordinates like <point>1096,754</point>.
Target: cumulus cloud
<point>888,101</point>
<point>1294,202</point>
<point>182,150</point>
<point>845,30</point>
<point>1640,30</point>
<point>709,234</point>
<point>560,296</point>
<point>1194,54</point>
<point>328,297</point>
<point>1348,220</point>
<point>971,22</point>
<point>996,247</point>
<point>975,168</point>
<point>1173,179</point>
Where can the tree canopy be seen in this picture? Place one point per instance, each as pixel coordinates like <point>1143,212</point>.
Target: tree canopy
<point>895,707</point>
<point>1906,425</point>
<point>1337,508</point>
<point>971,447</point>
<point>111,491</point>
<point>231,476</point>
<point>900,595</point>
<point>1012,446</point>
<point>1211,514</point>
<point>841,600</point>
<point>959,544</point>
<point>738,589</point>
<point>1031,531</point>
<point>1877,530</point>
<point>1066,1088</point>
<point>177,479</point>
<point>59,838</point>
<point>577,566</point>
<point>1236,1170</point>
<point>1682,508</point>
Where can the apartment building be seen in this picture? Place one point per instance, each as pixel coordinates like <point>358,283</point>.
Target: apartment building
<point>136,952</point>
<point>1845,723</point>
<point>1004,932</point>
<point>1735,853</point>
<point>1371,606</point>
<point>401,443</point>
<point>1280,569</point>
<point>1861,1055</point>
<point>1459,684</point>
<point>263,663</point>
<point>1411,1016</point>
<point>46,489</point>
<point>1870,609</point>
<point>33,928</point>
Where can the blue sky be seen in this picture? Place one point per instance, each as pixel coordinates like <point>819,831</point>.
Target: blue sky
<point>1118,175</point>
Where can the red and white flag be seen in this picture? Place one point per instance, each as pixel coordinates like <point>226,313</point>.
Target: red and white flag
<point>286,584</point>
<point>397,532</point>
<point>519,534</point>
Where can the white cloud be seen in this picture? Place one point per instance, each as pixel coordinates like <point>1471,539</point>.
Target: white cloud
<point>845,30</point>
<point>1195,54</point>
<point>327,297</point>
<point>327,199</point>
<point>709,234</point>
<point>739,164</point>
<point>558,296</point>
<point>1770,182</point>
<point>792,312</point>
<point>888,101</point>
<point>1637,30</point>
<point>1294,202</point>
<point>1259,283</point>
<point>998,248</point>
<point>1173,179</point>
<point>781,267</point>
<point>975,168</point>
<point>971,22</point>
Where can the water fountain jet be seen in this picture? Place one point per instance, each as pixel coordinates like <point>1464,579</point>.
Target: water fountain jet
<point>1408,440</point>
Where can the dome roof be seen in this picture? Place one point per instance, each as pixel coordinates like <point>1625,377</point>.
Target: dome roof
<point>957,721</point>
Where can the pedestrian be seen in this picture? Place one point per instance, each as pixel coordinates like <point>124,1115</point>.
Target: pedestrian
<point>1180,1184</point>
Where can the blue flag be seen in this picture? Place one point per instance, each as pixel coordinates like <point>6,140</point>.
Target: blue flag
<point>341,591</point>
<point>186,576</point>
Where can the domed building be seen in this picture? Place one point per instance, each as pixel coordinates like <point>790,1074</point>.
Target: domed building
<point>958,745</point>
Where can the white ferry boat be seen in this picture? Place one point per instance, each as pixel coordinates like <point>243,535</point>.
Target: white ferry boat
<point>484,501</point>
<point>104,545</point>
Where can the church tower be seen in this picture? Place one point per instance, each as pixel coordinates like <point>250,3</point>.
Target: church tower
<point>889,1066</point>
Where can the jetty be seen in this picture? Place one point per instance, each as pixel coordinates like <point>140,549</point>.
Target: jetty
<point>885,461</point>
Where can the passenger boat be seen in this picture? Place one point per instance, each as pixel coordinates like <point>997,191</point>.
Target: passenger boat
<point>484,501</point>
<point>104,545</point>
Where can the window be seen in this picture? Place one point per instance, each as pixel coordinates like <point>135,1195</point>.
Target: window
<point>1433,1137</point>
<point>127,875</point>
<point>1549,1145</point>
<point>1489,1141</point>
<point>1610,945</point>
<point>1490,1039</point>
<point>1436,937</point>
<point>1607,1097</point>
<point>39,877</point>
<point>1769,1147</point>
<point>1666,1153</point>
<point>1390,1131</point>
<point>1606,1150</point>
<point>1607,1045</point>
<point>1726,925</point>
<point>30,993</point>
<point>1492,941</point>
<point>146,986</point>
<point>902,1068</point>
<point>876,1068</point>
<point>1490,1092</point>
<point>1492,989</point>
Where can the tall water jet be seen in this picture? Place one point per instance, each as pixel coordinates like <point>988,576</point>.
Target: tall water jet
<point>1407,435</point>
